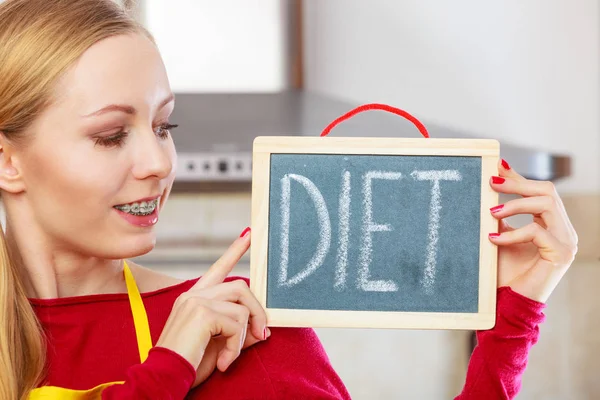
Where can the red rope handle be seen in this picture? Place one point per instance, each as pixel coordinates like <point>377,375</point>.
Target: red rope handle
<point>375,106</point>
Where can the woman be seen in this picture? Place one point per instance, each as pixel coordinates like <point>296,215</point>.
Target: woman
<point>87,162</point>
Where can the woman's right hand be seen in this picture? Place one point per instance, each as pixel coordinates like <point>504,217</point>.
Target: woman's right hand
<point>227,312</point>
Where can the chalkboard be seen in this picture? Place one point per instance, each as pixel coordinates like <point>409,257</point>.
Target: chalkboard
<point>374,232</point>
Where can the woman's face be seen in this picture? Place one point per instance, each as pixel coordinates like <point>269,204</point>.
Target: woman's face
<point>102,144</point>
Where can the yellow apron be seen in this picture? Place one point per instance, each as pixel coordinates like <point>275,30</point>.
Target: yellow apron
<point>142,332</point>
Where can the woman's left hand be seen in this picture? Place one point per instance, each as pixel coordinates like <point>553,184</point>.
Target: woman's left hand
<point>532,259</point>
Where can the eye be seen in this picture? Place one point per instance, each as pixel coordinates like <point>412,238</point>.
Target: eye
<point>115,140</point>
<point>162,131</point>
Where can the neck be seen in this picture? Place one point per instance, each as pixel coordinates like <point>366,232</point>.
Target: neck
<point>49,274</point>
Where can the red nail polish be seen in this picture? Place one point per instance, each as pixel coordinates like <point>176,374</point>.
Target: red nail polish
<point>497,180</point>
<point>494,235</point>
<point>505,164</point>
<point>497,208</point>
<point>245,232</point>
<point>265,334</point>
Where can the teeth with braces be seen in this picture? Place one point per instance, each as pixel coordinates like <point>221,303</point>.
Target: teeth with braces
<point>143,208</point>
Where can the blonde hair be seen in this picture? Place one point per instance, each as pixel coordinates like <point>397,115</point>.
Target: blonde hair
<point>39,41</point>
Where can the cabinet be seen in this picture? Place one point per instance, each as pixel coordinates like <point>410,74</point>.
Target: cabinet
<point>220,46</point>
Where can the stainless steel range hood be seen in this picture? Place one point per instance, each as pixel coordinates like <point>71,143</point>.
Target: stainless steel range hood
<point>216,131</point>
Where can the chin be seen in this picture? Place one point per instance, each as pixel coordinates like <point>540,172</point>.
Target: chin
<point>131,248</point>
<point>140,251</point>
<point>140,248</point>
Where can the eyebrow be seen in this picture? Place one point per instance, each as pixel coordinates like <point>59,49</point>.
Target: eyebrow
<point>126,108</point>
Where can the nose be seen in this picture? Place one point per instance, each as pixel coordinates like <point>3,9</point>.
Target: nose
<point>152,156</point>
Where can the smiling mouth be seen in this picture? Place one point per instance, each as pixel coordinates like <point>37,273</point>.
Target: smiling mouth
<point>139,209</point>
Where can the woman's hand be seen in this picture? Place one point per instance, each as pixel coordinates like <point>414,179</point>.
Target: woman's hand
<point>212,322</point>
<point>532,259</point>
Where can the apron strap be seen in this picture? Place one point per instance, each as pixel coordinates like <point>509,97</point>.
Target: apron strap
<point>59,393</point>
<point>140,318</point>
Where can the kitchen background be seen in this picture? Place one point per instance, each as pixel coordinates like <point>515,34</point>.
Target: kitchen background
<point>523,72</point>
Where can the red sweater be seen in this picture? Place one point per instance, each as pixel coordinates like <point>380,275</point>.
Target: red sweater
<point>91,340</point>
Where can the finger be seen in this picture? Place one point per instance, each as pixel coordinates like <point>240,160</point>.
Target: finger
<point>222,267</point>
<point>529,188</point>
<point>234,311</point>
<point>505,170</point>
<point>549,247</point>
<point>251,340</point>
<point>238,292</point>
<point>232,332</point>
<point>523,187</point>
<point>544,207</point>
<point>505,226</point>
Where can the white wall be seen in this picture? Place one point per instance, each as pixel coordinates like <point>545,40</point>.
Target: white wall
<point>524,71</point>
<point>220,46</point>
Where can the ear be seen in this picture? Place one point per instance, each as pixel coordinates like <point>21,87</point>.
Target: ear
<point>11,179</point>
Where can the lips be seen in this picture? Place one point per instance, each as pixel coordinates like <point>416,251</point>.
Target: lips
<point>142,212</point>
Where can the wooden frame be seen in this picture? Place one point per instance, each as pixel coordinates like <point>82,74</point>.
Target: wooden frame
<point>487,149</point>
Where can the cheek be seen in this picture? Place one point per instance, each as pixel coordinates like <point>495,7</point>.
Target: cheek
<point>72,189</point>
<point>173,157</point>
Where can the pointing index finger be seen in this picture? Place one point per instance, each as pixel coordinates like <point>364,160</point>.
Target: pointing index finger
<point>224,265</point>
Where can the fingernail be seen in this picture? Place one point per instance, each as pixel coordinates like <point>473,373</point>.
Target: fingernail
<point>497,180</point>
<point>505,164</point>
<point>494,235</point>
<point>266,333</point>
<point>497,208</point>
<point>245,232</point>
